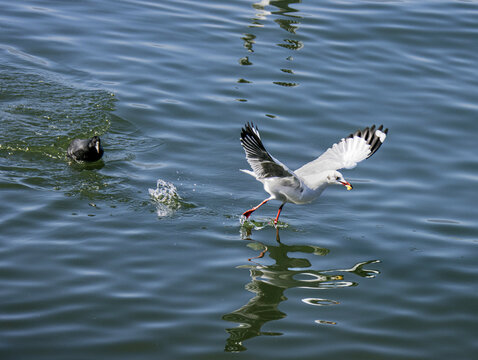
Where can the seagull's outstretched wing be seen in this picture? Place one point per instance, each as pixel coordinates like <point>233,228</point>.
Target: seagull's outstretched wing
<point>262,163</point>
<point>347,153</point>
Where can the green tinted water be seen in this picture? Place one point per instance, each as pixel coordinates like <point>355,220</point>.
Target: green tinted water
<point>142,254</point>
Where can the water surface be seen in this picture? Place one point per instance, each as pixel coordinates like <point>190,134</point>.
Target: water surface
<point>142,254</point>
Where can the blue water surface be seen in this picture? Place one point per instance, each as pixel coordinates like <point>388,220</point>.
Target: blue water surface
<point>142,255</point>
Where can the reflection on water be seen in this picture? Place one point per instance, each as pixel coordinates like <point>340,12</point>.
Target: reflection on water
<point>283,8</point>
<point>287,19</point>
<point>268,283</point>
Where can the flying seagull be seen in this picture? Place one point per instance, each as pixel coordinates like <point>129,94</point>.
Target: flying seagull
<point>305,184</point>
<point>85,149</point>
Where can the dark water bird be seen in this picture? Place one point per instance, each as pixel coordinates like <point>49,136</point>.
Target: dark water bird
<point>86,149</point>
<point>305,184</point>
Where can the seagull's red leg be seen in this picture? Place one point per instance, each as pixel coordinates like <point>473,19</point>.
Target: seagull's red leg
<point>250,211</point>
<point>278,213</point>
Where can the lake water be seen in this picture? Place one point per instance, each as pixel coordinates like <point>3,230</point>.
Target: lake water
<point>142,255</point>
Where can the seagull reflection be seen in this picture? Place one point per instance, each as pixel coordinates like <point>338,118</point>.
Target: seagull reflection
<point>283,14</point>
<point>268,283</point>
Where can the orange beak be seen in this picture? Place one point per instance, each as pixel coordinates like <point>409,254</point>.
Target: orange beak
<point>347,185</point>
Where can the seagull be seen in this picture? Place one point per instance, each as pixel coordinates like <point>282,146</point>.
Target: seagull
<point>85,149</point>
<point>305,184</point>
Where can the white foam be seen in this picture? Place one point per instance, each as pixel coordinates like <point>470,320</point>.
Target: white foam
<point>166,198</point>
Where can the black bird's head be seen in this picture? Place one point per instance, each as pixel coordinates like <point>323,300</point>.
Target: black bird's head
<point>95,142</point>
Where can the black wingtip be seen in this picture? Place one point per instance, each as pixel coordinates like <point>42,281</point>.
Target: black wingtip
<point>373,136</point>
<point>251,140</point>
<point>250,133</point>
<point>248,130</point>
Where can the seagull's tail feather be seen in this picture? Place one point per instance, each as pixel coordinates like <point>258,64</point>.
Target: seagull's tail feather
<point>248,172</point>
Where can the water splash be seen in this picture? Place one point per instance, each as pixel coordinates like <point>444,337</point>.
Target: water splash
<point>166,198</point>
<point>248,225</point>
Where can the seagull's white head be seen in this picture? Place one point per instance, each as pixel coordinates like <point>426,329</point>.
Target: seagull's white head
<point>334,177</point>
